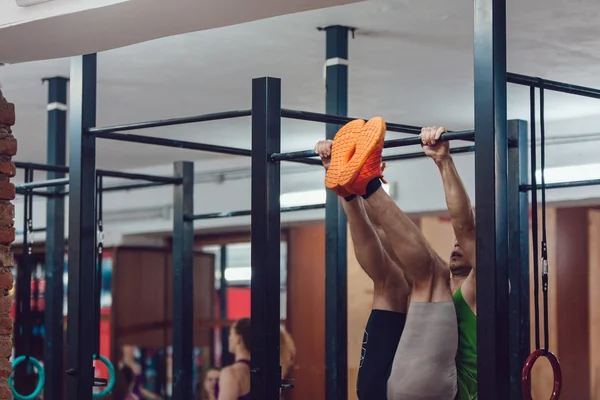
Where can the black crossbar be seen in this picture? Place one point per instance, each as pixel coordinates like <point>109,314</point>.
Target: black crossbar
<point>102,172</point>
<point>141,177</point>
<point>132,186</point>
<point>462,135</point>
<point>555,86</point>
<point>419,154</point>
<point>562,185</point>
<point>40,193</point>
<point>43,184</point>
<point>172,121</point>
<point>249,212</point>
<point>182,144</point>
<point>339,120</point>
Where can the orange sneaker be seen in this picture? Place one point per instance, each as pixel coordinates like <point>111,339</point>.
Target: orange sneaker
<point>370,147</point>
<point>342,151</point>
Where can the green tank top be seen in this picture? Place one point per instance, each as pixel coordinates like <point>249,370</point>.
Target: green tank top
<point>466,357</point>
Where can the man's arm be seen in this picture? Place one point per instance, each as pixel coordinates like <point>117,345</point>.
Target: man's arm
<point>228,385</point>
<point>459,208</point>
<point>457,199</point>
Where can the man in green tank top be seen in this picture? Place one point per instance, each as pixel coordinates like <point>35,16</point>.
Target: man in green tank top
<point>462,260</point>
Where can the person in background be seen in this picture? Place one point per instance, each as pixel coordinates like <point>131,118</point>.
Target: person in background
<point>128,359</point>
<point>124,383</point>
<point>211,378</point>
<point>287,352</point>
<point>234,383</point>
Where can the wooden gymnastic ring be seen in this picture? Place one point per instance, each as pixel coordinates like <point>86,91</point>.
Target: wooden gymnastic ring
<point>526,374</point>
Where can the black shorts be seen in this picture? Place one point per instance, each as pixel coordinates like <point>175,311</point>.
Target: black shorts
<point>381,338</point>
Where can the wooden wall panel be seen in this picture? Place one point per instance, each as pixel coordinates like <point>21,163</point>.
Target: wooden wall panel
<point>306,310</point>
<point>204,297</point>
<point>142,297</point>
<point>139,297</point>
<point>594,302</point>
<point>571,282</point>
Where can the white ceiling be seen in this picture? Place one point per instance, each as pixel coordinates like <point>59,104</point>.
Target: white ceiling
<point>411,62</point>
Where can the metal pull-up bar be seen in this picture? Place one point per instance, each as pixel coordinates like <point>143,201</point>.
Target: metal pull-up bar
<point>462,135</point>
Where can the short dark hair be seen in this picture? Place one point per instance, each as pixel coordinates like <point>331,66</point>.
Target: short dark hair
<point>243,328</point>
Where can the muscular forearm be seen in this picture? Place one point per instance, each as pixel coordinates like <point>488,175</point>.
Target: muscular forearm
<point>457,199</point>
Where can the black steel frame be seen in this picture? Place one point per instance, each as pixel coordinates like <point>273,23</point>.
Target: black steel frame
<point>501,206</point>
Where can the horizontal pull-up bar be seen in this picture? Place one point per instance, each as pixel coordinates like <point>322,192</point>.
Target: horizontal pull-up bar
<point>173,121</point>
<point>43,184</point>
<point>554,86</point>
<point>182,144</point>
<point>141,177</point>
<point>102,172</point>
<point>336,119</point>
<point>462,135</point>
<point>562,185</point>
<point>419,154</point>
<point>249,212</point>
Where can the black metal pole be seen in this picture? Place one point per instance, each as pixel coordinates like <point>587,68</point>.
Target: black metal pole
<point>43,184</point>
<point>82,229</point>
<point>266,238</point>
<point>410,141</point>
<point>336,297</point>
<point>491,199</point>
<point>23,322</point>
<point>183,282</point>
<point>518,261</point>
<point>555,86</point>
<point>420,154</point>
<point>226,358</point>
<point>181,144</point>
<point>173,121</point>
<point>56,154</point>
<point>563,185</point>
<point>243,213</point>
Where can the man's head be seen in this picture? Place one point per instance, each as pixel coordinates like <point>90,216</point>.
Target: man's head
<point>459,266</point>
<point>240,336</point>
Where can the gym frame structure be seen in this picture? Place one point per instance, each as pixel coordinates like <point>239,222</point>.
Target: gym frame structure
<point>502,204</point>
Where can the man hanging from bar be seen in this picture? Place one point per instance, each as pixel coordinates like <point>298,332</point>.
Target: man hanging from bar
<point>422,364</point>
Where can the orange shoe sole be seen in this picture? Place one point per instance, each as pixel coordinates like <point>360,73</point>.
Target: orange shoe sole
<point>342,150</point>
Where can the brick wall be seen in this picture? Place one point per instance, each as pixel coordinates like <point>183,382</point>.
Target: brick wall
<point>8,148</point>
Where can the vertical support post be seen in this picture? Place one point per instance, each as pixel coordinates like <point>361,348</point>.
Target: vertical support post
<point>55,240</point>
<point>336,285</point>
<point>491,161</point>
<point>266,238</point>
<point>24,318</point>
<point>183,282</point>
<point>82,228</point>
<point>225,356</point>
<point>518,261</point>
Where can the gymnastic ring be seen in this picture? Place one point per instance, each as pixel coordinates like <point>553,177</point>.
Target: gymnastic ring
<point>111,377</point>
<point>41,378</point>
<point>526,374</point>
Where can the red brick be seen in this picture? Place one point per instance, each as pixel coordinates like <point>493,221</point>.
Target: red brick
<point>7,235</point>
<point>7,166</point>
<point>7,114</point>
<point>5,345</point>
<point>5,371</point>
<point>6,258</point>
<point>7,191</point>
<point>8,146</point>
<point>7,211</point>
<point>6,326</point>
<point>5,391</point>
<point>6,280</point>
<point>5,305</point>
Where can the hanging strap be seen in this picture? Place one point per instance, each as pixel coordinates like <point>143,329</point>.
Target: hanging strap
<point>539,352</point>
